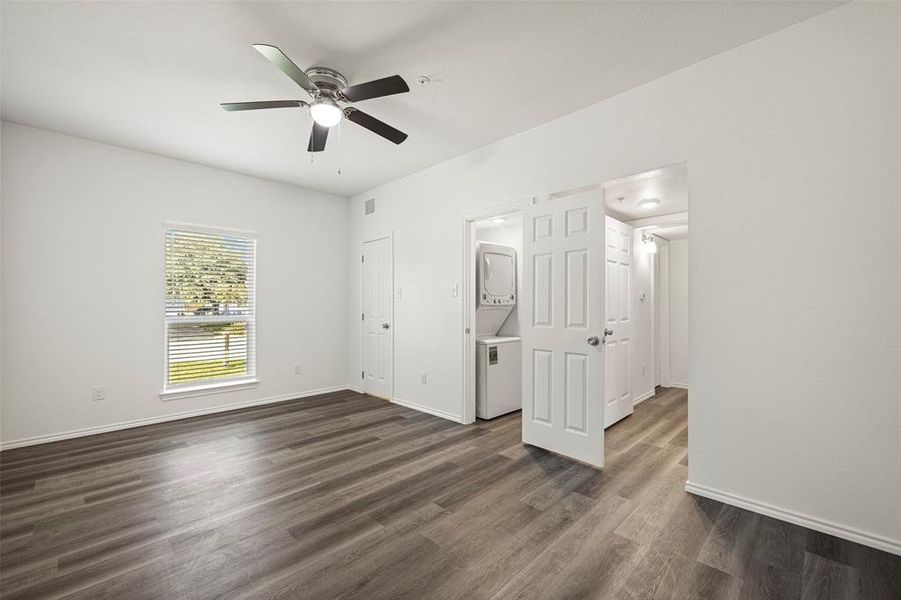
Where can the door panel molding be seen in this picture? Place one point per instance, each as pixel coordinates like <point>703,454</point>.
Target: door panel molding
<point>563,294</point>
<point>618,319</point>
<point>377,311</point>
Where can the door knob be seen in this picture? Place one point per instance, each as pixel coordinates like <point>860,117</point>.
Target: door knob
<point>593,341</point>
<point>385,326</point>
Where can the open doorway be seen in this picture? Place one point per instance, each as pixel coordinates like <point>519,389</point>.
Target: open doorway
<point>597,241</point>
<point>647,293</point>
<point>558,299</point>
<point>670,273</point>
<point>493,351</point>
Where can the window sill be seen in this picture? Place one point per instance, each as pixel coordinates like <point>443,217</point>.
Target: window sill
<point>210,388</point>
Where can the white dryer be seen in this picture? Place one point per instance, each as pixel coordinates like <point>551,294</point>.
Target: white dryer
<point>496,285</point>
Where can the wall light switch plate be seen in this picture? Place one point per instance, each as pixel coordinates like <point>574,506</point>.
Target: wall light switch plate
<point>398,293</point>
<point>297,370</point>
<point>423,377</point>
<point>98,393</point>
<point>455,291</point>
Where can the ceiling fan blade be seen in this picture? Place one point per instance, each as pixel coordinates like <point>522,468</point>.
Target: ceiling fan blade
<point>375,126</point>
<point>230,106</point>
<point>318,136</point>
<point>280,60</point>
<point>376,89</point>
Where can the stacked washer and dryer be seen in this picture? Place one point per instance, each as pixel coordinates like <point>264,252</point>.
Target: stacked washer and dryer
<point>498,358</point>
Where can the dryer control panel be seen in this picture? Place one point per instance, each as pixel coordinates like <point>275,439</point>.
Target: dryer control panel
<point>496,275</point>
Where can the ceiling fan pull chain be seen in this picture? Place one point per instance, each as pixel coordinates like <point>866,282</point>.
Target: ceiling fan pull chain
<point>339,148</point>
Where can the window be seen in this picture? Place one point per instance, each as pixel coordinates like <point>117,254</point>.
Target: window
<point>210,308</point>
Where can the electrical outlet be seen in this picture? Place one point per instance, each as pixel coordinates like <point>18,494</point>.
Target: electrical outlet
<point>98,393</point>
<point>399,293</point>
<point>297,370</point>
<point>424,377</point>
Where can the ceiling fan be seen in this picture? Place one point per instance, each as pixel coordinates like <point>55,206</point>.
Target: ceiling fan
<point>328,89</point>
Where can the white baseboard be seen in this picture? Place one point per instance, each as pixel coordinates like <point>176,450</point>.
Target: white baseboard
<point>76,433</point>
<point>643,397</point>
<point>681,386</point>
<point>840,531</point>
<point>355,388</point>
<point>426,409</point>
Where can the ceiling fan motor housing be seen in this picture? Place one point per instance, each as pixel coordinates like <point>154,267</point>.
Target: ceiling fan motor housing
<point>329,81</point>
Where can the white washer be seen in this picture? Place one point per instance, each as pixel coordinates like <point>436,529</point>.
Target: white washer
<point>498,376</point>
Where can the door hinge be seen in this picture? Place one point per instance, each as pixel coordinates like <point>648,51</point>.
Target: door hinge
<point>362,316</point>
<point>362,258</point>
<point>362,374</point>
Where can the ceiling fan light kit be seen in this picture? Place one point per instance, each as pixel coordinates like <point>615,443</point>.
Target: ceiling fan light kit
<point>326,112</point>
<point>328,89</point>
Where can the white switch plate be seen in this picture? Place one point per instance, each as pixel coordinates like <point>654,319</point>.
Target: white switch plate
<point>424,377</point>
<point>455,291</point>
<point>398,293</point>
<point>98,393</point>
<point>297,369</point>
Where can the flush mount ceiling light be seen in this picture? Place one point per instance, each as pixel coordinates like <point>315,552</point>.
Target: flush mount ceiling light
<point>326,112</point>
<point>498,220</point>
<point>649,203</point>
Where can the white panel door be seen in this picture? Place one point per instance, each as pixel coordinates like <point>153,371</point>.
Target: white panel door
<point>378,333</point>
<point>562,308</point>
<point>618,322</point>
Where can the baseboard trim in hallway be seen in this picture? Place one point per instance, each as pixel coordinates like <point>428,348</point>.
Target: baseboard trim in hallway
<point>840,531</point>
<point>77,433</point>
<point>643,397</point>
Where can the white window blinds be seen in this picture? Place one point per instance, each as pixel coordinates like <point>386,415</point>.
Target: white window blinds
<point>210,307</point>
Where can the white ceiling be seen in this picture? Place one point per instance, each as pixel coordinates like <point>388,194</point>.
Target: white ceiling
<point>667,184</point>
<point>671,232</point>
<point>150,75</point>
<point>511,220</point>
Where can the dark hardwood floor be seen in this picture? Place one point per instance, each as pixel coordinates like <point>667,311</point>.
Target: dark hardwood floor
<point>346,496</point>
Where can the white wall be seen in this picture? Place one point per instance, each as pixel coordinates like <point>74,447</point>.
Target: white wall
<point>661,312</point>
<point>678,312</point>
<point>795,337</point>
<point>642,319</point>
<point>83,280</point>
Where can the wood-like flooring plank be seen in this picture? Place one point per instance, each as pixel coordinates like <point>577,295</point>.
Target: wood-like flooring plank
<point>346,496</point>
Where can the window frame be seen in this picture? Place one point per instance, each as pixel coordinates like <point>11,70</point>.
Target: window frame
<point>211,386</point>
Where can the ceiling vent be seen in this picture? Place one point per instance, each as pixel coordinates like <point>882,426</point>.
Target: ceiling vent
<point>369,206</point>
